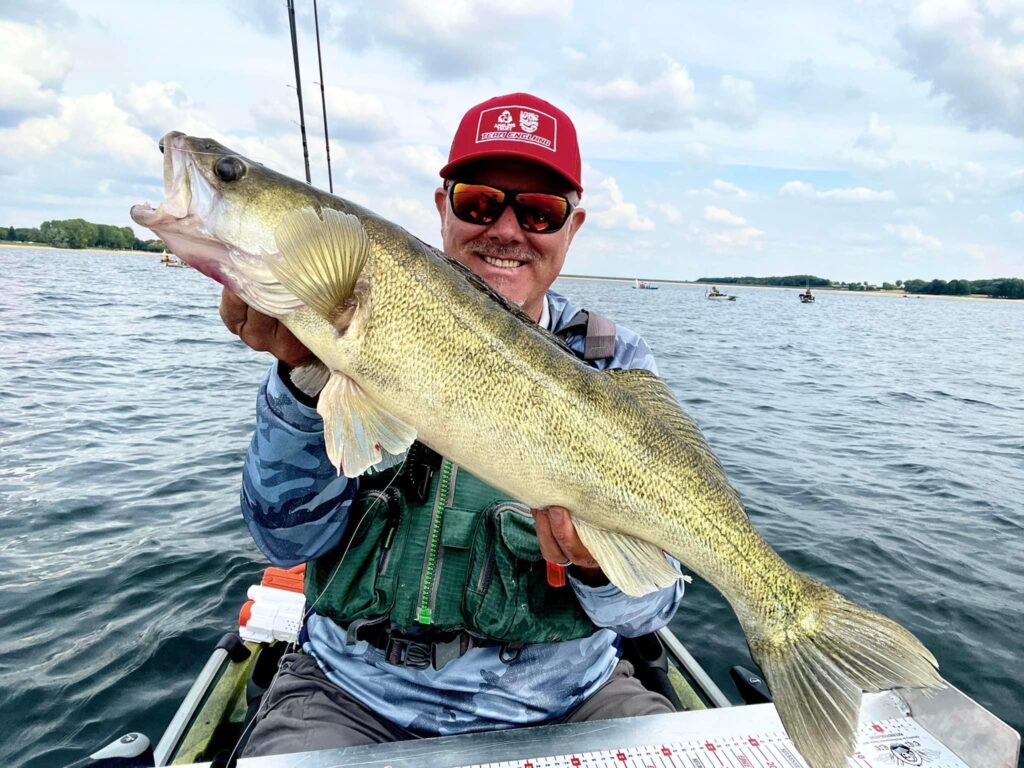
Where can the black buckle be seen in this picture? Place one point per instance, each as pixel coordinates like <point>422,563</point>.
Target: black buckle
<point>419,482</point>
<point>442,653</point>
<point>421,462</point>
<point>407,653</point>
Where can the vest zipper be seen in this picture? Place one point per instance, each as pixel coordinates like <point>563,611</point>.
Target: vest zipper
<point>430,563</point>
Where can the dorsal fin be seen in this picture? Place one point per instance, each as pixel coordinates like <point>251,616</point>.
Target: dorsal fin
<point>654,393</point>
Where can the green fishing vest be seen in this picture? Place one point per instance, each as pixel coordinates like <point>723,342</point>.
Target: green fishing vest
<point>431,548</point>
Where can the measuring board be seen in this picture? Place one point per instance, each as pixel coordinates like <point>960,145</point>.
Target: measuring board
<point>887,744</point>
<point>932,729</point>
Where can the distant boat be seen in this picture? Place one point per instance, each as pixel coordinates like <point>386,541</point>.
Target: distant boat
<point>170,261</point>
<point>714,295</point>
<point>807,297</point>
<point>644,284</point>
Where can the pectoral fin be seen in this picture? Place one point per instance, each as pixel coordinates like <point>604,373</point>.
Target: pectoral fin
<point>320,261</point>
<point>634,566</point>
<point>311,377</point>
<point>356,430</point>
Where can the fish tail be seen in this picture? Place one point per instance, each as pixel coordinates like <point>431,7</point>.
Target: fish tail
<point>818,668</point>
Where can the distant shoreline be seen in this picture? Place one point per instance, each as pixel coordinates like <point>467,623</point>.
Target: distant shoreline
<point>9,244</point>
<point>601,279</point>
<point>656,281</point>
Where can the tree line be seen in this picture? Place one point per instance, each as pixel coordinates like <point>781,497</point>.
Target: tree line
<point>997,288</point>
<point>792,281</point>
<point>79,233</point>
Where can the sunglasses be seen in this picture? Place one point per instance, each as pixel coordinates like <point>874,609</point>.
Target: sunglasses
<point>536,212</point>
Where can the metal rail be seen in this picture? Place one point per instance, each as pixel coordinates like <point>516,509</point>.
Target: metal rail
<point>707,686</point>
<point>190,704</point>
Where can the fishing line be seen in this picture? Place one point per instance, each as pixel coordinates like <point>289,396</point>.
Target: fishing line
<point>293,645</point>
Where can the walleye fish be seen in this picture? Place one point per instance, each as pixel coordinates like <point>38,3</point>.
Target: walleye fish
<point>413,345</point>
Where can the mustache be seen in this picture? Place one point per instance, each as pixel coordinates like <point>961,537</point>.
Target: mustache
<point>513,251</point>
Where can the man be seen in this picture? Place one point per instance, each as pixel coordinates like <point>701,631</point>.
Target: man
<point>429,609</point>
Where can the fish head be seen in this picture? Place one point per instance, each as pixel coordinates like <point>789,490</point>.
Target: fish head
<point>221,209</point>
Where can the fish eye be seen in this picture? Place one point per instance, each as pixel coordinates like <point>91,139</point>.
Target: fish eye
<point>229,168</point>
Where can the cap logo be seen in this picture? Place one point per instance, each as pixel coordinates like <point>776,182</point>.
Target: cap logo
<point>514,123</point>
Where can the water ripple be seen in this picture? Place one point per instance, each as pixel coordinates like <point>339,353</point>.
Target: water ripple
<point>877,445</point>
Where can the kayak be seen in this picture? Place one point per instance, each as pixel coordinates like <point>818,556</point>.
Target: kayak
<point>938,729</point>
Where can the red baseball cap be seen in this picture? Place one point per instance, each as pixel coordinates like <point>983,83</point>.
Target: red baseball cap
<point>517,125</point>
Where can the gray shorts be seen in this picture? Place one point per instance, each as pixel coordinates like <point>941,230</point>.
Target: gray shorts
<point>305,711</point>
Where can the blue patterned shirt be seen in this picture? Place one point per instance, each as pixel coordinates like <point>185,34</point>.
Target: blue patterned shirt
<point>297,508</point>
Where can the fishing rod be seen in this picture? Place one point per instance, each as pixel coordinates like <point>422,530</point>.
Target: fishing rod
<point>323,98</point>
<point>298,87</point>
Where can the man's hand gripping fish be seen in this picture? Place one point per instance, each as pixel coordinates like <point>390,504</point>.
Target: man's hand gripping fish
<point>412,347</point>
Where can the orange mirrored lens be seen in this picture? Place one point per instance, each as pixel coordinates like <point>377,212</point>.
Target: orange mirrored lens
<point>539,212</point>
<point>477,203</point>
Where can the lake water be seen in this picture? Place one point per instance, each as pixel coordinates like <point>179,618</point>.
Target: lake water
<point>878,443</point>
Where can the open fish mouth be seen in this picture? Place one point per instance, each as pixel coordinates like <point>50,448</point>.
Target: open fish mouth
<point>183,220</point>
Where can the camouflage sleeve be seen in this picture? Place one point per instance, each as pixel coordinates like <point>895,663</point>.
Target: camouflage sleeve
<point>293,501</point>
<point>609,607</point>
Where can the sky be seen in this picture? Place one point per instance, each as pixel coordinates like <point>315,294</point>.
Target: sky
<point>850,139</point>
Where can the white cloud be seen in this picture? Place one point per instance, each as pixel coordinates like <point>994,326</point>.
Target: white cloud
<point>875,135</point>
<point>352,116</point>
<point>723,216</point>
<point>414,215</point>
<point>870,149</point>
<point>801,189</point>
<point>736,102</point>
<point>274,113</point>
<point>727,189</point>
<point>699,152</point>
<point>728,239</point>
<point>607,207</point>
<point>158,106</point>
<point>659,96</point>
<point>452,40</point>
<point>972,53</point>
<point>422,161</point>
<point>1017,217</point>
<point>910,234</point>
<point>93,126</point>
<point>669,212</point>
<point>357,116</point>
<point>54,13</point>
<point>32,69</point>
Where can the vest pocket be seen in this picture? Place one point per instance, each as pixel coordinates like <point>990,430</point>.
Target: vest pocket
<point>507,594</point>
<point>365,583</point>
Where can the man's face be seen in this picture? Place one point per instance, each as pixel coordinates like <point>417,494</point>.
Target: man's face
<point>537,258</point>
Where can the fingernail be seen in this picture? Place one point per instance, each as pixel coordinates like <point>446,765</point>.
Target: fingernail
<point>556,515</point>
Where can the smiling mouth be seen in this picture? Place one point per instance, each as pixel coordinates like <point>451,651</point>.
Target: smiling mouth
<point>503,263</point>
